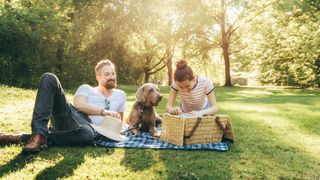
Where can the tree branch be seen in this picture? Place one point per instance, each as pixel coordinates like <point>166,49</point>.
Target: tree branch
<point>240,49</point>
<point>161,60</point>
<point>216,18</point>
<point>231,32</point>
<point>214,43</point>
<point>236,39</point>
<point>153,72</point>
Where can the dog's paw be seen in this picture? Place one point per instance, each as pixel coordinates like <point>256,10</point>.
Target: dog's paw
<point>157,135</point>
<point>135,132</point>
<point>153,131</point>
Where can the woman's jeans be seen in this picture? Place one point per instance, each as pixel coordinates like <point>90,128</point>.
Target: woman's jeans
<point>69,127</point>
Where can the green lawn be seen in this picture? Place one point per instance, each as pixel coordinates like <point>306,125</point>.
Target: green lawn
<point>277,137</point>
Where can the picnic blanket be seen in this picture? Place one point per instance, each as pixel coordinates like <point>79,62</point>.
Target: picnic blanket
<point>147,141</point>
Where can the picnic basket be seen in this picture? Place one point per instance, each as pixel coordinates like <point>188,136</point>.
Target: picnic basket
<point>196,130</point>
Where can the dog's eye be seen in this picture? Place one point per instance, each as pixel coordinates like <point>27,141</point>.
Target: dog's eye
<point>150,90</point>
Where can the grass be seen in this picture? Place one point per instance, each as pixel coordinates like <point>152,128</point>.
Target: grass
<point>277,133</point>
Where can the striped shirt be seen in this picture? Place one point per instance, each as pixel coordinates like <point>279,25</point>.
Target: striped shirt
<point>196,99</point>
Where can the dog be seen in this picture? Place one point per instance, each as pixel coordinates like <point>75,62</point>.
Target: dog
<point>143,116</point>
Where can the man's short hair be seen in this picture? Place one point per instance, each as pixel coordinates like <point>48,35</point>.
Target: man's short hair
<point>102,63</point>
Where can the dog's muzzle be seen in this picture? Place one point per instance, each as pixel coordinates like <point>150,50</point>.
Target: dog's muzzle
<point>155,103</point>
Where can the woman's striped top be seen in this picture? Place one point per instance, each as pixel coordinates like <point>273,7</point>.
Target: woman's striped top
<point>196,99</point>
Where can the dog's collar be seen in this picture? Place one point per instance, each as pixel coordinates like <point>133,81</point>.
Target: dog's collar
<point>140,109</point>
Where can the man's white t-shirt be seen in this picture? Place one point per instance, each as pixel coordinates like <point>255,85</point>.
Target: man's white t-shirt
<point>95,98</point>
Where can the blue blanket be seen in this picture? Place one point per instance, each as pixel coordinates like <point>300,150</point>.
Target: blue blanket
<point>146,140</point>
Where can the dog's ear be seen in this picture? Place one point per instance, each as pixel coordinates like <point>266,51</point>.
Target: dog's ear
<point>139,94</point>
<point>156,87</point>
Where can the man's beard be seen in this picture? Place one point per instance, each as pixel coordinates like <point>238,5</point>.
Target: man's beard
<point>110,84</point>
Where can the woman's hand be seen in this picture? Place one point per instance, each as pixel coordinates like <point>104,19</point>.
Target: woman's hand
<point>175,110</point>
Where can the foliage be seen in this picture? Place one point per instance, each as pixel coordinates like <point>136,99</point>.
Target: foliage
<point>285,41</point>
<point>274,42</point>
<point>30,34</point>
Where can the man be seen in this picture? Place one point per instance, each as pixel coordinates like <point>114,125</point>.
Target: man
<point>70,123</point>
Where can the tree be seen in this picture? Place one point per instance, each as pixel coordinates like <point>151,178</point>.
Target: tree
<point>153,41</point>
<point>229,16</point>
<point>30,36</point>
<point>288,50</point>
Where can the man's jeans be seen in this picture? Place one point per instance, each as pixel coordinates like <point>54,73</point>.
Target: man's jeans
<point>69,127</point>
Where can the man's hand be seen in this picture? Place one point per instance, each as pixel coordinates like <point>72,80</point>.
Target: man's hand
<point>111,113</point>
<point>175,110</point>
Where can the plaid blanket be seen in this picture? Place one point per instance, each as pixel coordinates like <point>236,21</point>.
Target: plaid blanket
<point>146,140</point>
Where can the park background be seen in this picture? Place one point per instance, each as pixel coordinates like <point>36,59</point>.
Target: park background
<point>262,56</point>
<point>239,42</point>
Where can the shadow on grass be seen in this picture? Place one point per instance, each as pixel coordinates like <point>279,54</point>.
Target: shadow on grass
<point>258,153</point>
<point>196,164</point>
<point>274,155</point>
<point>71,157</point>
<point>15,164</point>
<point>137,160</point>
<point>64,168</point>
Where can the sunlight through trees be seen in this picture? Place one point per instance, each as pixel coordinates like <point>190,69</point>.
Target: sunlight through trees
<point>243,42</point>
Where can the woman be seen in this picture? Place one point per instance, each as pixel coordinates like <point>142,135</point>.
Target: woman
<point>196,93</point>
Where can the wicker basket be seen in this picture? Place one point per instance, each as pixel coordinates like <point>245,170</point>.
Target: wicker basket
<point>185,131</point>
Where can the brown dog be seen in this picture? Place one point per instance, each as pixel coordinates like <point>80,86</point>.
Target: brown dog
<point>143,116</point>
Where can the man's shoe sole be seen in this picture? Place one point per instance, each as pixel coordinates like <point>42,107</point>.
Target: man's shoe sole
<point>33,151</point>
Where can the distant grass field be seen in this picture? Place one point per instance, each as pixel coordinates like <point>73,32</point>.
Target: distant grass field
<point>277,137</point>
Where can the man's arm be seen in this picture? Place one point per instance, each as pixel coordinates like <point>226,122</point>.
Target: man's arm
<point>80,102</point>
<point>121,114</point>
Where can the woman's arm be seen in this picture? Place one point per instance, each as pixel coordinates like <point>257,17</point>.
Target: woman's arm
<point>170,103</point>
<point>210,111</point>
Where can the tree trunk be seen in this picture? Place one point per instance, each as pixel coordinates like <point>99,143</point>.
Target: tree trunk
<point>225,48</point>
<point>59,56</point>
<point>146,76</point>
<point>225,44</point>
<point>146,68</point>
<point>169,68</point>
<point>317,70</point>
<point>170,71</point>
